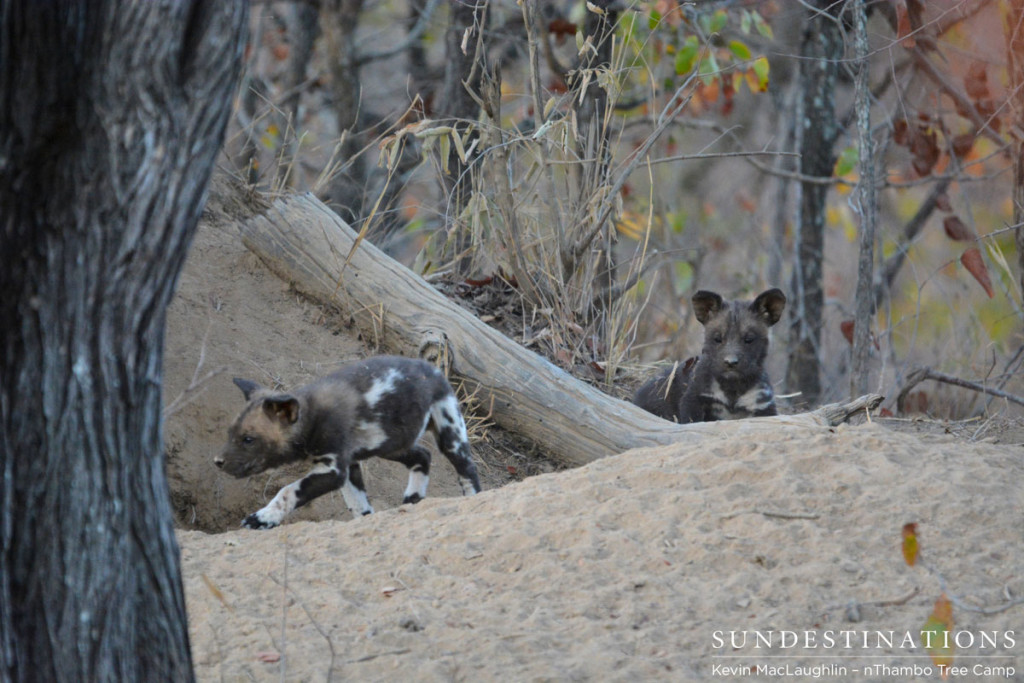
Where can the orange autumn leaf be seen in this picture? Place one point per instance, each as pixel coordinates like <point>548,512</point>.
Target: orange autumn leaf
<point>710,91</point>
<point>975,265</point>
<point>910,548</point>
<point>936,635</point>
<point>903,26</point>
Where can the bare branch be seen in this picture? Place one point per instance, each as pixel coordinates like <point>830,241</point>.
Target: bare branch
<point>922,374</point>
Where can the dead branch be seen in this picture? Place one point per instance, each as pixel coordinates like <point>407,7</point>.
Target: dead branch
<point>921,374</point>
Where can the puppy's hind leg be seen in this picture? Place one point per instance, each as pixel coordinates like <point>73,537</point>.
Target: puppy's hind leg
<point>417,459</point>
<point>453,441</point>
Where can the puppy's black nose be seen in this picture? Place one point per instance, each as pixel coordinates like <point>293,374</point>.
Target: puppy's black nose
<point>219,462</point>
<point>731,361</point>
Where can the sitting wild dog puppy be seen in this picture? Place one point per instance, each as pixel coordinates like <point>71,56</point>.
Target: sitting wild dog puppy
<point>727,381</point>
<point>375,407</point>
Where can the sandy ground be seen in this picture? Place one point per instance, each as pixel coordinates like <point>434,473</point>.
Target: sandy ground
<point>627,568</point>
<point>636,567</point>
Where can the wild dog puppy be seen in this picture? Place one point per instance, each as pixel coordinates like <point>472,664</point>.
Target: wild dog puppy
<point>727,381</point>
<point>377,407</point>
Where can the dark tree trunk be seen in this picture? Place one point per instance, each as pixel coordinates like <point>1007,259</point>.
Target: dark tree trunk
<point>111,114</point>
<point>419,71</point>
<point>821,51</point>
<point>463,67</point>
<point>868,205</point>
<point>346,191</point>
<point>303,26</point>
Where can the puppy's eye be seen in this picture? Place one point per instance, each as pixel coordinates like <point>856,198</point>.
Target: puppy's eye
<point>248,440</point>
<point>749,338</point>
<point>718,337</point>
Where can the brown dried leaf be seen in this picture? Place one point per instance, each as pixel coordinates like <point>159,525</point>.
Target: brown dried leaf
<point>963,144</point>
<point>900,131</point>
<point>975,264</point>
<point>976,81</point>
<point>903,29</point>
<point>942,202</point>
<point>846,327</point>
<point>924,146</point>
<point>560,28</point>
<point>956,230</point>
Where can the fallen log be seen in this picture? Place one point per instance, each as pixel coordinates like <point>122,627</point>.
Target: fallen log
<point>308,245</point>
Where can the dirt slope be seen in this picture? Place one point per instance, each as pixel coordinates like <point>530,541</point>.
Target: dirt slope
<point>626,568</point>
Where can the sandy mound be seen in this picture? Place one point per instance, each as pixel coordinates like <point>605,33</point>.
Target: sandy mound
<point>626,568</point>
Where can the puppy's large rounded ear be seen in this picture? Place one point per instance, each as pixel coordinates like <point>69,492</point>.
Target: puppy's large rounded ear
<point>706,305</point>
<point>769,305</point>
<point>248,387</point>
<point>283,409</point>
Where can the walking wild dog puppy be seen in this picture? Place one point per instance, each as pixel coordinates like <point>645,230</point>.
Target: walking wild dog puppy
<point>727,381</point>
<point>375,407</point>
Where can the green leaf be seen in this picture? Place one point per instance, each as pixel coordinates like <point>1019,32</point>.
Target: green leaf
<point>745,22</point>
<point>760,67</point>
<point>739,50</point>
<point>686,56</point>
<point>677,221</point>
<point>708,69</point>
<point>684,277</point>
<point>848,160</point>
<point>718,21</point>
<point>762,26</point>
<point>654,20</point>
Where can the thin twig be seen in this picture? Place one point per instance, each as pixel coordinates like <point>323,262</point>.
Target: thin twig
<point>921,374</point>
<point>772,513</point>
<point>312,620</point>
<point>367,658</point>
<point>415,33</point>
<point>960,604</point>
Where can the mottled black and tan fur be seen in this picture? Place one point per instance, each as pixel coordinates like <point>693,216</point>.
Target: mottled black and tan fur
<point>377,407</point>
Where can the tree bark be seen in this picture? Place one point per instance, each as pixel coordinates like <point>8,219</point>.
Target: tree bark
<point>306,244</point>
<point>868,209</point>
<point>464,64</point>
<point>111,115</point>
<point>821,51</point>
<point>346,189</point>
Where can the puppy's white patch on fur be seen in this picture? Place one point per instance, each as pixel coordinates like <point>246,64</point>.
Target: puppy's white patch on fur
<point>355,499</point>
<point>369,435</point>
<point>381,387</point>
<point>755,399</point>
<point>467,487</point>
<point>446,413</point>
<point>417,484</point>
<point>276,510</point>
